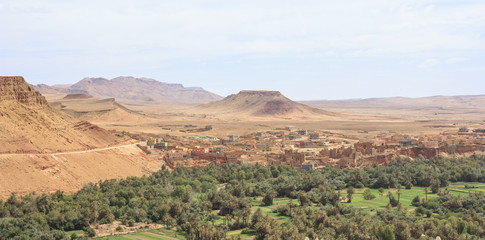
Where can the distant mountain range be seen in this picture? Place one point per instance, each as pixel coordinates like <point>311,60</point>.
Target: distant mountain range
<point>131,90</point>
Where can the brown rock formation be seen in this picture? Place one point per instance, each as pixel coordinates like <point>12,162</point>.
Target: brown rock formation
<point>77,96</point>
<point>29,125</point>
<point>16,89</point>
<point>262,104</point>
<point>276,107</point>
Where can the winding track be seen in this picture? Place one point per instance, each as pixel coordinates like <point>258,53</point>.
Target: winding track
<point>65,153</point>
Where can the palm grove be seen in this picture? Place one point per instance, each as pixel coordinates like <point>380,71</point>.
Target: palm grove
<point>206,203</point>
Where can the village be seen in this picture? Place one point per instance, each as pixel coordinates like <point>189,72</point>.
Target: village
<point>306,149</point>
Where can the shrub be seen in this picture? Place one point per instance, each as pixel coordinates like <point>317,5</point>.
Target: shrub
<point>385,233</point>
<point>392,201</point>
<point>131,223</point>
<point>74,236</point>
<point>90,231</point>
<point>428,213</point>
<point>368,195</point>
<point>416,201</point>
<point>268,199</point>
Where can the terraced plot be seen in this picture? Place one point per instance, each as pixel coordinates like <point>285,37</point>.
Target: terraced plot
<point>158,234</point>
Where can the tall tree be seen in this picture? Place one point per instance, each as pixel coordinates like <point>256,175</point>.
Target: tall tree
<point>350,192</point>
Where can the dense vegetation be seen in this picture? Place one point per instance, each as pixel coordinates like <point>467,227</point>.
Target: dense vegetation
<point>205,203</point>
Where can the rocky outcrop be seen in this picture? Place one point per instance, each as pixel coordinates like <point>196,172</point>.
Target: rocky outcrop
<point>16,89</point>
<point>276,107</point>
<point>29,125</point>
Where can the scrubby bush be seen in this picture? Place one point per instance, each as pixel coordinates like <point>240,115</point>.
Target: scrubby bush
<point>367,194</point>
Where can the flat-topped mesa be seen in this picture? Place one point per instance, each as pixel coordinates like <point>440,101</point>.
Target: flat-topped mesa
<point>77,96</point>
<point>263,104</point>
<point>14,88</point>
<point>260,93</point>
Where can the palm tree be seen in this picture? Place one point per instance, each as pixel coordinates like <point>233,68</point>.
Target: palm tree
<point>350,191</point>
<point>426,191</point>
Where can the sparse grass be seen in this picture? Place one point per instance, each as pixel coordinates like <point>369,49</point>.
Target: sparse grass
<point>157,234</point>
<point>78,232</point>
<point>118,237</point>
<point>248,235</point>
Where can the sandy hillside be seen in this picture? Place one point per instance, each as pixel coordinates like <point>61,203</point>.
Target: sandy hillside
<point>29,125</point>
<point>25,173</point>
<point>43,149</point>
<point>94,109</point>
<point>41,129</point>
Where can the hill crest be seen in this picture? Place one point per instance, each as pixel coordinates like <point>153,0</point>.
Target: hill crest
<point>14,88</point>
<point>261,103</point>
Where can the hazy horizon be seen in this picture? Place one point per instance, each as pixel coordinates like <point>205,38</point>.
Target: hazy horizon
<point>308,50</point>
<point>337,99</point>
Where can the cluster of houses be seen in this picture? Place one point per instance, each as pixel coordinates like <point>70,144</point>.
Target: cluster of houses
<point>307,149</point>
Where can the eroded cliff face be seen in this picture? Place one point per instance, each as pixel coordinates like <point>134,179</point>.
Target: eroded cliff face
<point>29,125</point>
<point>15,88</point>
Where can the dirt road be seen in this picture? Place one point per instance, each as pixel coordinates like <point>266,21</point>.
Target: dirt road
<point>24,173</point>
<point>64,153</point>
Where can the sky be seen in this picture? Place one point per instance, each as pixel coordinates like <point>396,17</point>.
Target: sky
<point>306,49</point>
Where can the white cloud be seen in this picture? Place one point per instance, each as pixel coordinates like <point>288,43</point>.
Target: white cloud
<point>456,60</point>
<point>429,63</point>
<point>57,40</point>
<point>429,8</point>
<point>201,28</point>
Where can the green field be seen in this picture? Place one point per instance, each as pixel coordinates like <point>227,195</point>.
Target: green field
<point>407,196</point>
<point>269,209</point>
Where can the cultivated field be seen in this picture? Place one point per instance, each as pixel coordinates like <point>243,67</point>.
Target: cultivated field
<point>407,195</point>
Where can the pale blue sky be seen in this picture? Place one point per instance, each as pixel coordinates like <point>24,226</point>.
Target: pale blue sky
<point>307,49</point>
